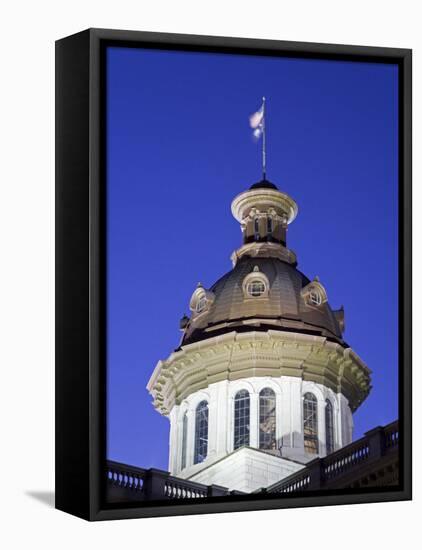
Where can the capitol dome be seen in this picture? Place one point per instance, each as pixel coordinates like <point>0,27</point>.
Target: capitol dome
<point>262,293</point>
<point>264,290</point>
<point>262,380</point>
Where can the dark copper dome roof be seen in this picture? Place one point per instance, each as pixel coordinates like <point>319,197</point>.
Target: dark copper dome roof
<point>263,184</point>
<point>284,307</point>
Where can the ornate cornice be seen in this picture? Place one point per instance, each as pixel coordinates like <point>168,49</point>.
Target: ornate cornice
<point>264,250</point>
<point>234,356</point>
<point>262,199</point>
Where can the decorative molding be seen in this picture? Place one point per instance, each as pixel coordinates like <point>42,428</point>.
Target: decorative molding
<point>234,356</point>
<point>264,250</point>
<point>263,199</point>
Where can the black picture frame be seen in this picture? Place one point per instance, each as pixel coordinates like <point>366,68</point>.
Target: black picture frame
<point>80,272</point>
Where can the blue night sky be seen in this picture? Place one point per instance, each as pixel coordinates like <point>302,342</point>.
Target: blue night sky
<point>179,149</point>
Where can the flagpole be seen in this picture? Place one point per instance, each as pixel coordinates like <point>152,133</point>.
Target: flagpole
<point>264,152</point>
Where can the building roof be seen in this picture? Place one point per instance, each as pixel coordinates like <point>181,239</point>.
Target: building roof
<point>263,184</point>
<point>284,306</point>
<point>288,300</point>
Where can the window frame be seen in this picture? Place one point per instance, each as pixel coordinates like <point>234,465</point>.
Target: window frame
<point>256,281</point>
<point>329,427</point>
<point>315,297</point>
<point>271,394</point>
<point>199,434</point>
<point>201,303</point>
<point>256,276</point>
<point>257,234</point>
<point>242,403</point>
<point>309,417</point>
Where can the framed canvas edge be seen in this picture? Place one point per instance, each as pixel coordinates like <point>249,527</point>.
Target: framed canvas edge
<point>93,448</point>
<point>72,368</point>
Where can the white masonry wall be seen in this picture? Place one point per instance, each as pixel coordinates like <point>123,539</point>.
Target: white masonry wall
<point>247,470</point>
<point>289,393</point>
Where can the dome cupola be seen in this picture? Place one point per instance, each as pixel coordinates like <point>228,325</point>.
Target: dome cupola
<point>262,380</point>
<point>264,213</point>
<point>264,290</point>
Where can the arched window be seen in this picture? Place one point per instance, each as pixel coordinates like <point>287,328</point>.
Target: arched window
<point>269,225</point>
<point>315,298</point>
<point>184,439</point>
<point>201,432</point>
<point>329,427</point>
<point>241,419</point>
<point>267,439</point>
<point>201,303</point>
<point>310,423</point>
<point>255,284</point>
<point>256,229</point>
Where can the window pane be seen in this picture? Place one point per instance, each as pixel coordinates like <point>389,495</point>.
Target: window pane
<point>256,288</point>
<point>201,432</point>
<point>241,419</point>
<point>310,423</point>
<point>200,306</point>
<point>256,228</point>
<point>267,437</point>
<point>315,298</point>
<point>329,427</point>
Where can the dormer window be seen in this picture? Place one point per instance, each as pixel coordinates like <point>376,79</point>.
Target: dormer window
<point>201,304</point>
<point>314,294</point>
<point>256,288</point>
<point>315,298</point>
<point>201,300</point>
<point>256,285</point>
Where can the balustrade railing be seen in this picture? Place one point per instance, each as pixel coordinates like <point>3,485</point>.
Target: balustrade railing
<point>129,482</point>
<point>343,460</point>
<point>292,484</point>
<point>322,471</point>
<point>391,435</point>
<point>180,488</point>
<point>125,477</point>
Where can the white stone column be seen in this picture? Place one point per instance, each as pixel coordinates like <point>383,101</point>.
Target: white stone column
<point>174,447</point>
<point>191,437</point>
<point>213,420</point>
<point>336,422</point>
<point>350,423</point>
<point>322,442</point>
<point>223,417</point>
<point>295,450</point>
<point>284,418</point>
<point>345,421</point>
<point>279,414</point>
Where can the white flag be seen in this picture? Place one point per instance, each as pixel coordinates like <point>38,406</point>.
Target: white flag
<point>257,121</point>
